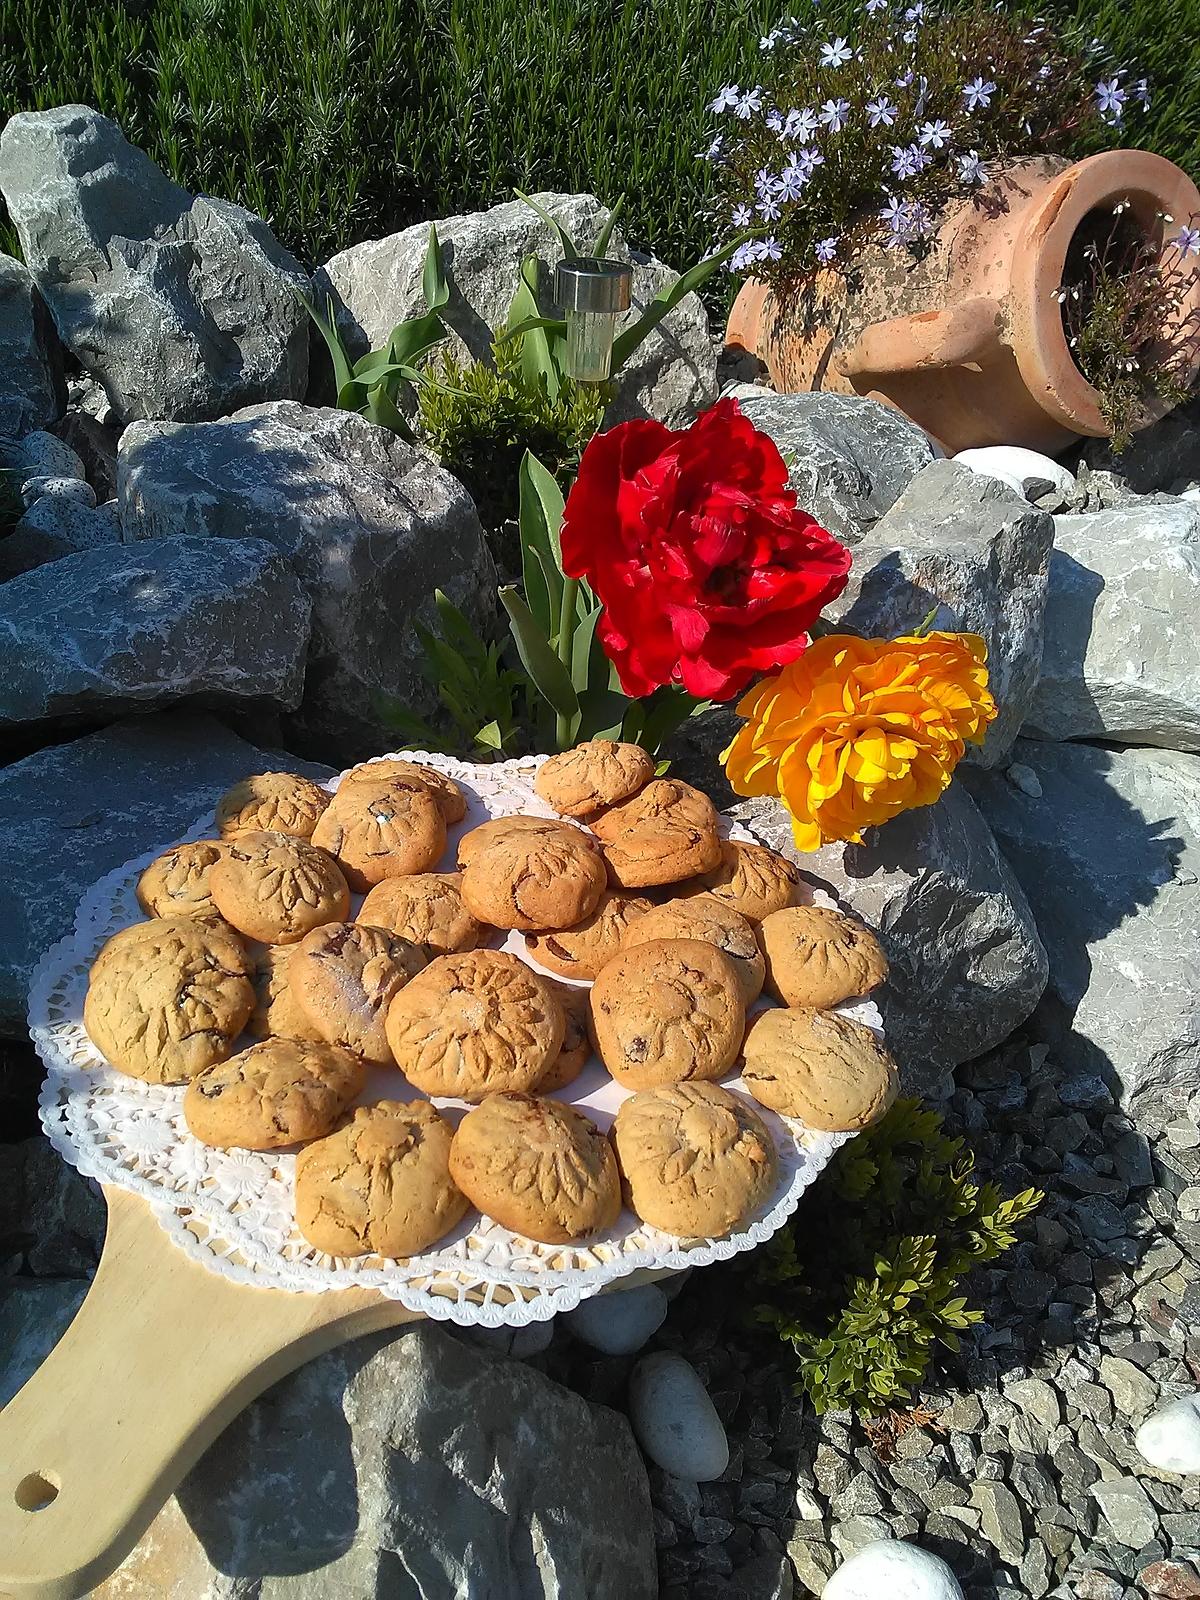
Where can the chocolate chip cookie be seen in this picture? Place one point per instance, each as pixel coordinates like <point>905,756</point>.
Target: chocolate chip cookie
<point>276,889</point>
<point>166,999</point>
<point>276,1011</point>
<point>534,881</point>
<point>473,1024</point>
<point>381,1185</point>
<point>279,1092</point>
<point>176,885</point>
<point>344,976</point>
<point>667,832</point>
<point>426,909</point>
<point>271,802</point>
<point>452,803</point>
<point>576,1045</point>
<point>538,1167</point>
<point>695,1160</point>
<point>596,774</point>
<point>705,917</point>
<point>383,830</point>
<point>473,843</point>
<point>667,1011</point>
<point>819,957</point>
<point>830,1072</point>
<point>754,880</point>
<point>581,951</point>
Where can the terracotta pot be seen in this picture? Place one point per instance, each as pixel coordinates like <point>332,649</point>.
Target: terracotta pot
<point>969,341</point>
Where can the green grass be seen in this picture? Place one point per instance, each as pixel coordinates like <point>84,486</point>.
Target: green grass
<point>339,120</point>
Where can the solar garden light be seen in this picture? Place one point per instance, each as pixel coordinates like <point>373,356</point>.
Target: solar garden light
<point>593,293</point>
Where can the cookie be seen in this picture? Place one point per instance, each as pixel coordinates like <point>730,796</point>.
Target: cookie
<point>592,776</point>
<point>276,1011</point>
<point>667,1011</point>
<point>176,885</point>
<point>827,1070</point>
<point>576,1046</point>
<point>471,1025</point>
<point>276,889</point>
<point>581,951</point>
<point>426,909</point>
<point>818,957</point>
<point>705,917</point>
<point>754,880</point>
<point>695,1160</point>
<point>383,830</point>
<point>452,803</point>
<point>279,1092</point>
<point>667,832</point>
<point>167,998</point>
<point>381,1185</point>
<point>472,843</point>
<point>538,1167</point>
<point>534,881</point>
<point>271,802</point>
<point>344,976</point>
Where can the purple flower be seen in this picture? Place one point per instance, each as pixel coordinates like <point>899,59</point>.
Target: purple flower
<point>825,250</point>
<point>1141,93</point>
<point>935,134</point>
<point>836,54</point>
<point>768,209</point>
<point>915,13</point>
<point>808,160</point>
<point>970,168</point>
<point>765,182</point>
<point>748,104</point>
<point>742,257</point>
<point>895,214</point>
<point>726,98</point>
<point>978,94</point>
<point>792,180</point>
<point>774,121</point>
<point>799,126</point>
<point>880,111</point>
<point>741,216</point>
<point>1188,241</point>
<point>920,223</point>
<point>714,151</point>
<point>872,6</point>
<point>902,161</point>
<point>766,249</point>
<point>1110,99</point>
<point>834,114</point>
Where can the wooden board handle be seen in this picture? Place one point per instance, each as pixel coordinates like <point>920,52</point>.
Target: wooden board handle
<point>162,1354</point>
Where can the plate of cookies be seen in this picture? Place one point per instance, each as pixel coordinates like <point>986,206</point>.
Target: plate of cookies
<point>485,1039</point>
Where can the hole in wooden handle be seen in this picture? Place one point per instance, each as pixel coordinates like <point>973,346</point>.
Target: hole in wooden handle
<point>37,1490</point>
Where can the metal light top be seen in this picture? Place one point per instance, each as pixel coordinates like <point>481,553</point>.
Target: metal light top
<point>591,284</point>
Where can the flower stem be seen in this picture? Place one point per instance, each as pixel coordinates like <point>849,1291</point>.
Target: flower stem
<point>566,634</point>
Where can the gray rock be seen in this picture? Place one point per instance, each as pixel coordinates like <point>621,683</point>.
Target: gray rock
<point>54,527</point>
<point>1120,654</point>
<point>33,391</point>
<point>378,284</point>
<point>1128,1511</point>
<point>1132,1391</point>
<point>849,459</point>
<point>34,1315</point>
<point>813,1560</point>
<point>182,306</point>
<point>969,550</point>
<point>1156,459</point>
<point>39,454</point>
<point>73,812</point>
<point>144,626</point>
<point>1037,1399</point>
<point>1002,1523</point>
<point>371,527</point>
<point>95,444</point>
<point>426,1469</point>
<point>1110,860</point>
<point>621,1322</point>
<point>77,489</point>
<point>967,964</point>
<point>674,1420</point>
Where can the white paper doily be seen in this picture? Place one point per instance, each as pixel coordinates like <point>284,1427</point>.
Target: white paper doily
<point>232,1209</point>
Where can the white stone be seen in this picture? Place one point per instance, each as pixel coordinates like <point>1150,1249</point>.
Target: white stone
<point>674,1421</point>
<point>619,1323</point>
<point>1170,1439</point>
<point>34,489</point>
<point>1020,469</point>
<point>890,1569</point>
<point>1120,659</point>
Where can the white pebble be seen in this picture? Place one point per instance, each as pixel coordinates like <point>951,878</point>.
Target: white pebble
<point>1016,467</point>
<point>890,1569</point>
<point>1170,1438</point>
<point>674,1421</point>
<point>619,1323</point>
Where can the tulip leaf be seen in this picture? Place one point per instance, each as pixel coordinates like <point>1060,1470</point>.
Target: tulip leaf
<point>412,339</point>
<point>604,238</point>
<point>603,714</point>
<point>538,364</point>
<point>434,283</point>
<point>324,318</point>
<point>668,298</point>
<point>566,244</point>
<point>549,676</point>
<point>540,518</point>
<point>583,668</point>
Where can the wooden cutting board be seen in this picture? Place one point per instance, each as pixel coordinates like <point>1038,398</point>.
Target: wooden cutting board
<point>161,1356</point>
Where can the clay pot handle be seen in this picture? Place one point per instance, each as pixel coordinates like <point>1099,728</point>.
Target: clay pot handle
<point>954,337</point>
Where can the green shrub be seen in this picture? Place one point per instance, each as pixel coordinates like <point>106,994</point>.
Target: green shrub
<point>865,1281</point>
